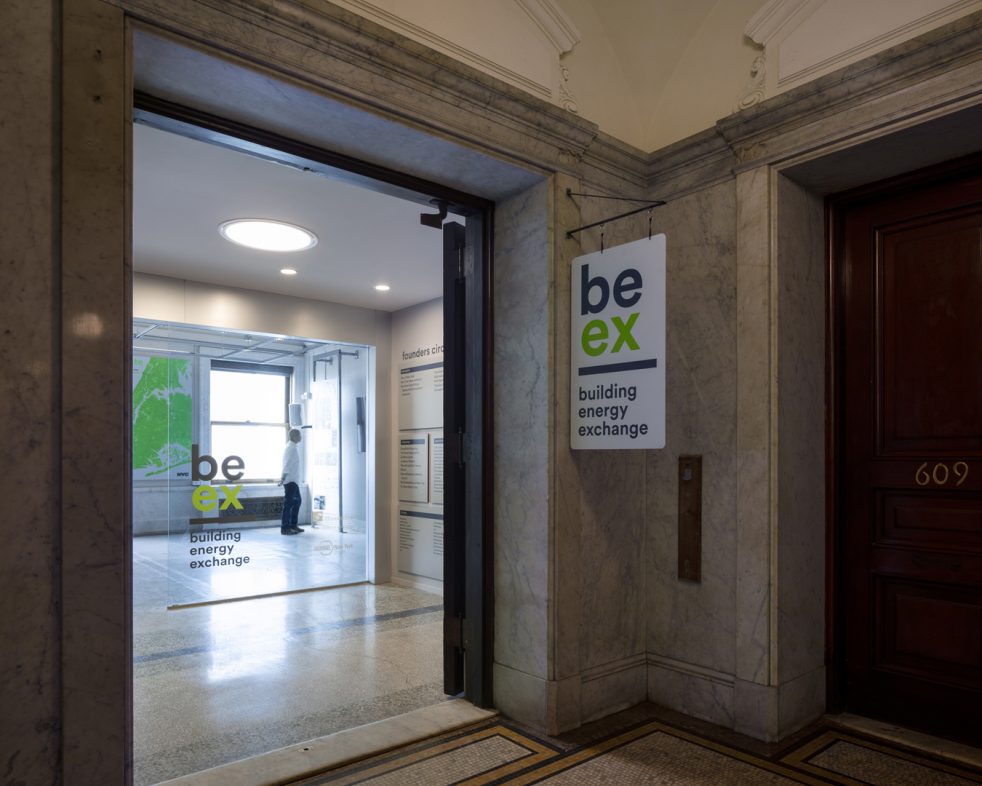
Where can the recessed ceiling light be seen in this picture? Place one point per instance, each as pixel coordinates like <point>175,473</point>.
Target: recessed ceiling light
<point>267,235</point>
<point>288,271</point>
<point>382,287</point>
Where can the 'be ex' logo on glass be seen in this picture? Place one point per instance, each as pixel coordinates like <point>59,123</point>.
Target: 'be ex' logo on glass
<point>617,336</point>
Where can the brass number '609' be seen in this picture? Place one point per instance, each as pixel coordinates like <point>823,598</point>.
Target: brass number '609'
<point>940,474</point>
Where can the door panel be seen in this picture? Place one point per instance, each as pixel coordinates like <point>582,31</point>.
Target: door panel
<point>908,272</point>
<point>931,335</point>
<point>454,386</point>
<point>468,543</point>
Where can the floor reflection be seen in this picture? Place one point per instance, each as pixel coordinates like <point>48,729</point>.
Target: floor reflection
<point>319,557</point>
<point>218,682</point>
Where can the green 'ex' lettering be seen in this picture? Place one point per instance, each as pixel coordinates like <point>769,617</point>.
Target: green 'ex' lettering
<point>205,498</point>
<point>595,335</point>
<point>624,332</point>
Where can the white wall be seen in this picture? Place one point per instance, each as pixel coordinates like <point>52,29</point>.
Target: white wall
<point>190,302</point>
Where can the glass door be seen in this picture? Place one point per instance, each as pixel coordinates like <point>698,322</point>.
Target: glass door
<point>338,456</point>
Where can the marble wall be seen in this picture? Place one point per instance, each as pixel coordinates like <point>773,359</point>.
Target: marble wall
<point>96,388</point>
<point>29,401</point>
<point>523,492</point>
<point>600,523</point>
<point>801,492</point>
<point>691,625</point>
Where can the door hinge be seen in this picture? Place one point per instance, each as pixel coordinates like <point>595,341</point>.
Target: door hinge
<point>455,631</point>
<point>459,443</point>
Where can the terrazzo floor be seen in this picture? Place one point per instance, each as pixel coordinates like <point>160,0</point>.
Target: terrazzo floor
<point>219,682</point>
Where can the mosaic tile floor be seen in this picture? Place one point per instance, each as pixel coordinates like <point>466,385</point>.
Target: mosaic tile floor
<point>652,752</point>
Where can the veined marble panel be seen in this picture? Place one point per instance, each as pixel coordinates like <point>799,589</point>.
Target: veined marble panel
<point>753,428</point>
<point>29,407</point>
<point>692,622</point>
<point>611,560</point>
<point>96,396</point>
<point>522,414</point>
<point>801,433</point>
<point>567,582</point>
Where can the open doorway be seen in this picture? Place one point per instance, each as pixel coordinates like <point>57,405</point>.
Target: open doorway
<point>291,635</point>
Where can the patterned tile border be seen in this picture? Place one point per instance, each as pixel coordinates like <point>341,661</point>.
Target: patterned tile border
<point>541,759</point>
<point>803,755</point>
<point>405,758</point>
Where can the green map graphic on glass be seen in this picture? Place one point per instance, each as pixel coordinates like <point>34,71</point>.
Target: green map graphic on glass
<point>161,417</point>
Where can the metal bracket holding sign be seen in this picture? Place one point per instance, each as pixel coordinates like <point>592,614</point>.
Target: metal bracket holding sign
<point>617,338</point>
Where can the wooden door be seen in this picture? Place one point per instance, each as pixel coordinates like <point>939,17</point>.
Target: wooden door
<point>907,272</point>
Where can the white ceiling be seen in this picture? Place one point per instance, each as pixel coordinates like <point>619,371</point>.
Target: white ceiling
<point>183,189</point>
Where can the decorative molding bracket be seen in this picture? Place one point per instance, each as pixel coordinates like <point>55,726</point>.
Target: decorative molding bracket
<point>753,91</point>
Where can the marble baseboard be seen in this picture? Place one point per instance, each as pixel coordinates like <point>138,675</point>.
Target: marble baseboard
<point>763,712</point>
<point>694,690</point>
<point>550,706</point>
<point>771,713</point>
<point>613,687</point>
<point>520,696</point>
<point>556,706</point>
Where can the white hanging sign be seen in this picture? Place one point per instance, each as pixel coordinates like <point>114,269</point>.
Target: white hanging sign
<point>617,321</point>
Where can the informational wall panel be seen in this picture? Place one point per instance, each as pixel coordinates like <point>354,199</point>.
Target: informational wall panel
<point>421,543</point>
<point>417,354</point>
<point>414,468</point>
<point>421,395</point>
<point>436,467</point>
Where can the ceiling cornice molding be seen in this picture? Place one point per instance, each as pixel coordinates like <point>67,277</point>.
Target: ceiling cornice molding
<point>553,22</point>
<point>778,18</point>
<point>893,89</point>
<point>440,43</point>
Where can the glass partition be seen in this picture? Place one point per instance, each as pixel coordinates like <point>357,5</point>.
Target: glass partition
<point>212,422</point>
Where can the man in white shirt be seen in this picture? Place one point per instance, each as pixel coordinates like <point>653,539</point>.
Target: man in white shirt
<point>291,485</point>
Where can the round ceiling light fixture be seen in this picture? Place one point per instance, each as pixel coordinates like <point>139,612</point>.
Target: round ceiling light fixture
<point>267,235</point>
<point>382,287</point>
<point>288,271</point>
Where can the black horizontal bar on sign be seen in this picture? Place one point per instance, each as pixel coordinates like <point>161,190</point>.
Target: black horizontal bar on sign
<point>610,368</point>
<point>648,206</point>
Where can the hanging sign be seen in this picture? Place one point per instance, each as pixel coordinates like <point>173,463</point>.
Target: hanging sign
<point>617,374</point>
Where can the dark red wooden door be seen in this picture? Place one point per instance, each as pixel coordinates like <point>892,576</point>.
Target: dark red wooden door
<point>908,269</point>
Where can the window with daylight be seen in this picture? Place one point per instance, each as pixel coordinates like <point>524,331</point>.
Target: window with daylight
<point>250,415</point>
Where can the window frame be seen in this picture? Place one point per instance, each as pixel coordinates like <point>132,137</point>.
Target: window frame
<point>269,369</point>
